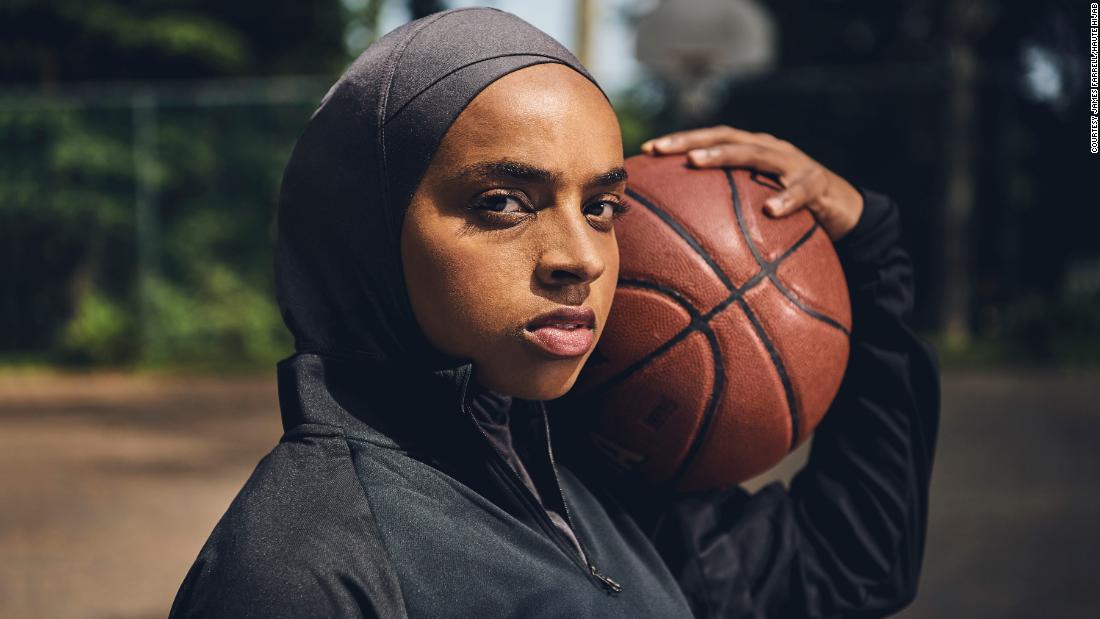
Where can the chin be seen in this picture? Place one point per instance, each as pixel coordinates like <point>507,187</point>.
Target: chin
<point>553,391</point>
<point>545,381</point>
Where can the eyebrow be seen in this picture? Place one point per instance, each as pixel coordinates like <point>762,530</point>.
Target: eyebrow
<point>508,168</point>
<point>613,176</point>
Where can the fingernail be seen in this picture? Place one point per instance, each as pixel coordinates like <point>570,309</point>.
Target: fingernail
<point>647,146</point>
<point>776,204</point>
<point>701,154</point>
<point>667,142</point>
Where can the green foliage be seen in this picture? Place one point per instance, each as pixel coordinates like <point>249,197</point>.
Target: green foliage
<point>636,112</point>
<point>99,332</point>
<point>70,166</point>
<point>172,33</point>
<point>49,154</point>
<point>222,321</point>
<point>45,41</point>
<point>67,197</point>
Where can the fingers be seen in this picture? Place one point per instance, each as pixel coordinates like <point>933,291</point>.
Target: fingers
<point>805,180</point>
<point>683,141</point>
<point>800,192</point>
<point>756,156</point>
<point>787,201</point>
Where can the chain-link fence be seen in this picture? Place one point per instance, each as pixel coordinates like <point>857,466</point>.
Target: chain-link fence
<point>138,219</point>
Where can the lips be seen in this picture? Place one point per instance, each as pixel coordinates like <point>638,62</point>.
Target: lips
<point>565,317</point>
<point>563,332</point>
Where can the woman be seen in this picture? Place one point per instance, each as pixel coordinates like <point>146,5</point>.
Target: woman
<point>446,260</point>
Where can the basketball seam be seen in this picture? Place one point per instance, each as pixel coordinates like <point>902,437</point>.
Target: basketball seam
<point>801,240</point>
<point>683,233</point>
<point>773,275</point>
<point>794,299</point>
<point>698,320</point>
<point>709,413</point>
<point>774,182</point>
<point>765,266</point>
<point>780,369</point>
<point>697,324</point>
<point>772,266</point>
<point>701,321</point>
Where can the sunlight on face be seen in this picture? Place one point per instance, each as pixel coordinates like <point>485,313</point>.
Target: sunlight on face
<point>514,218</point>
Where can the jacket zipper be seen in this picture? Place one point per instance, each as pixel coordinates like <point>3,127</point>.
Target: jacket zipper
<point>532,505</point>
<point>606,580</point>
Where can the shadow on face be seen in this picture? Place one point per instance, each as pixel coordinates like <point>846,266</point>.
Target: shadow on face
<point>514,218</point>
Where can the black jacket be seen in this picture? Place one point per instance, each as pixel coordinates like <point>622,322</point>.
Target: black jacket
<point>385,498</point>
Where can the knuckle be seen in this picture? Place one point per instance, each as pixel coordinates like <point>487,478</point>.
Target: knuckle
<point>722,152</point>
<point>725,131</point>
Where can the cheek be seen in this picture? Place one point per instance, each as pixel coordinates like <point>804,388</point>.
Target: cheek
<point>485,290</point>
<point>609,280</point>
<point>465,292</point>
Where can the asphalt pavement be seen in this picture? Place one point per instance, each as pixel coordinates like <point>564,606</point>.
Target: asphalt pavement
<point>110,483</point>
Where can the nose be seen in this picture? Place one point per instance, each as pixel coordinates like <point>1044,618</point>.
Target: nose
<point>572,254</point>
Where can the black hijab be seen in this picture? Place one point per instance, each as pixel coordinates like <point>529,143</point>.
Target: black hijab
<point>338,272</point>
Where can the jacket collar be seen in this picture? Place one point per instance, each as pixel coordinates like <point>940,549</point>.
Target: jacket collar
<point>382,403</point>
<point>425,415</point>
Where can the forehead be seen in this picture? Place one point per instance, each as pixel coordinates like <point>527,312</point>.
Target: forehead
<point>546,114</point>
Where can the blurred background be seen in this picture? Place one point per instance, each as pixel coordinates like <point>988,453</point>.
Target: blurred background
<point>141,146</point>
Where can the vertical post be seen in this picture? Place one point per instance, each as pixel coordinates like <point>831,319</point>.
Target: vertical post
<point>585,18</point>
<point>964,18</point>
<point>143,107</point>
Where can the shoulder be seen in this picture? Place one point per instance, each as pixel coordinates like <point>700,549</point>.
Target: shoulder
<point>299,538</point>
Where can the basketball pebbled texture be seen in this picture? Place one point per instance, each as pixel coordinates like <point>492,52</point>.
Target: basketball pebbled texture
<point>728,336</point>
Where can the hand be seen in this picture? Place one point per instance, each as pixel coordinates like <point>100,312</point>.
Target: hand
<point>835,203</point>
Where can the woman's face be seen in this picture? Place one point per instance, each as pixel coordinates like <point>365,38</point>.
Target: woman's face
<point>513,219</point>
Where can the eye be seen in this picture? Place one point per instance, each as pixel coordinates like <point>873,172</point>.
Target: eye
<point>606,209</point>
<point>499,203</point>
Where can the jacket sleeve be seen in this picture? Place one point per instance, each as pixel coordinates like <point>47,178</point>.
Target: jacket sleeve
<point>847,538</point>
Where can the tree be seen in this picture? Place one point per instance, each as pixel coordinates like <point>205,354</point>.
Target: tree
<point>70,173</point>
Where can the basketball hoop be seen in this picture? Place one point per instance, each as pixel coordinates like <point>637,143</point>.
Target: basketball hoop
<point>694,45</point>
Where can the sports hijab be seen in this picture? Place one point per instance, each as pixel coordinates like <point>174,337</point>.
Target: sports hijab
<point>339,280</point>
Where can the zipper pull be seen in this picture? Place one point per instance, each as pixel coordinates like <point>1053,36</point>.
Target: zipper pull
<point>607,582</point>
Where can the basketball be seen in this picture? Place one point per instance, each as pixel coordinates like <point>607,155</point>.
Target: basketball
<point>728,335</point>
